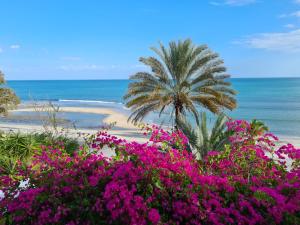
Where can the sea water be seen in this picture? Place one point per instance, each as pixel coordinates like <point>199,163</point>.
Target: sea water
<point>276,101</point>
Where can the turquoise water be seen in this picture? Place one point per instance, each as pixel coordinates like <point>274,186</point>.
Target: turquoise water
<point>276,101</point>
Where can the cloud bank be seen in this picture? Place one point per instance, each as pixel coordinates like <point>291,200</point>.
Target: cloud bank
<point>288,42</point>
<point>233,2</point>
<point>15,46</point>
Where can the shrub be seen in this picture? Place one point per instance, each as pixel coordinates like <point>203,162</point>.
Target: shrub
<point>17,147</point>
<point>8,98</point>
<point>49,139</point>
<point>158,182</point>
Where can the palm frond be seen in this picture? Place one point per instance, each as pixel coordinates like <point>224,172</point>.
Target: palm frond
<point>188,130</point>
<point>201,140</point>
<point>183,77</point>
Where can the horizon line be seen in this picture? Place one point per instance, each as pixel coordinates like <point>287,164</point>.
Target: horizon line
<point>129,79</point>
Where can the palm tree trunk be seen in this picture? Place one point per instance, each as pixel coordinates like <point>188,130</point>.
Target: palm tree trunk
<point>178,111</point>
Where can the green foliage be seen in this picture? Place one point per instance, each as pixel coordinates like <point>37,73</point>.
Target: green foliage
<point>262,196</point>
<point>183,77</point>
<point>17,144</point>
<point>70,144</point>
<point>258,127</point>
<point>8,99</point>
<point>201,140</point>
<point>16,147</point>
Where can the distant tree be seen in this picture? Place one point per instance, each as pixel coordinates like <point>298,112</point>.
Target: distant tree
<point>183,77</point>
<point>8,99</point>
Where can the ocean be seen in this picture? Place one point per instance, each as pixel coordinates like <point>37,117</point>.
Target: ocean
<point>276,101</point>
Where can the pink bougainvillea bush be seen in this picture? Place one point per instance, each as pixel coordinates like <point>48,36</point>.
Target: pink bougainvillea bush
<point>158,182</point>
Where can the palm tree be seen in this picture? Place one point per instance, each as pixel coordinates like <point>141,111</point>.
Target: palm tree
<point>183,77</point>
<point>8,99</point>
<point>258,127</point>
<point>201,140</point>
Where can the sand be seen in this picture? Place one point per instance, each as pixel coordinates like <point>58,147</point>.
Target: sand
<point>291,140</point>
<point>122,129</point>
<point>111,115</point>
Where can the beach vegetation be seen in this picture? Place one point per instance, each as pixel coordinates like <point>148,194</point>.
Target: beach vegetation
<point>159,182</point>
<point>202,139</point>
<point>48,114</point>
<point>8,98</point>
<point>16,147</point>
<point>183,77</point>
<point>258,127</point>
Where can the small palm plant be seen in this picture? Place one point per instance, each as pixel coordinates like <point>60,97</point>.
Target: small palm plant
<point>8,99</point>
<point>15,147</point>
<point>183,77</point>
<point>258,127</point>
<point>201,140</point>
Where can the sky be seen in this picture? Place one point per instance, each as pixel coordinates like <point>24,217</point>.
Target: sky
<point>97,39</point>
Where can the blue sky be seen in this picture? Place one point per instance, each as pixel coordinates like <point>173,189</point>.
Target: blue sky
<point>86,39</point>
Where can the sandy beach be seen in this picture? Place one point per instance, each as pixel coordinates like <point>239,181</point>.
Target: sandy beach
<point>122,128</point>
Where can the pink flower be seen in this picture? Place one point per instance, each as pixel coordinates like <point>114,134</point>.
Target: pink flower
<point>241,185</point>
<point>93,180</point>
<point>154,216</point>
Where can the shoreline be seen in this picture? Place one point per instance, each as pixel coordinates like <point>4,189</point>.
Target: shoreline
<point>289,140</point>
<point>110,114</point>
<point>122,128</point>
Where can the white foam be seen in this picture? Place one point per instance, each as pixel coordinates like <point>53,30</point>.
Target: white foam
<point>89,101</point>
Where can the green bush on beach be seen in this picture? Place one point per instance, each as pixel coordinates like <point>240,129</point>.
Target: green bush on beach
<point>16,146</point>
<point>8,99</point>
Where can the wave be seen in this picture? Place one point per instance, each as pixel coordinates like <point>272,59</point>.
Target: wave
<point>89,101</point>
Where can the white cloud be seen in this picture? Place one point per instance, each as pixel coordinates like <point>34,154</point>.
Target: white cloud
<point>233,2</point>
<point>290,26</point>
<point>288,42</point>
<point>15,46</point>
<point>87,67</point>
<point>296,14</point>
<point>71,58</point>
<point>103,68</point>
<point>293,14</point>
<point>139,66</point>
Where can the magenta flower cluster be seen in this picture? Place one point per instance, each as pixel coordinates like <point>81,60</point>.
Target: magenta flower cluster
<point>159,182</point>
